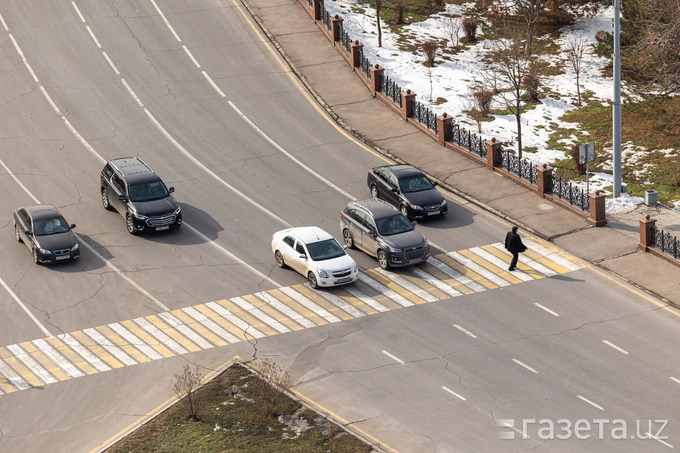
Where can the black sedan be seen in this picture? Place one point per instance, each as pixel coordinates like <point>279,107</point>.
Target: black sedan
<point>408,189</point>
<point>46,233</point>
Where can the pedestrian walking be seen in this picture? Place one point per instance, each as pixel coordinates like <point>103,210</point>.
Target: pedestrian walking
<point>514,245</point>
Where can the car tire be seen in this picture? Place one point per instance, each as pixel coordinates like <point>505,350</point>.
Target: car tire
<point>35,256</point>
<point>311,278</point>
<point>383,261</point>
<point>279,259</point>
<point>17,236</point>
<point>404,211</point>
<point>348,239</point>
<point>374,191</point>
<point>105,200</point>
<point>130,224</point>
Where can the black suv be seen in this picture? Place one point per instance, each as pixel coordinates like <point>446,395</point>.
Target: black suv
<point>381,231</point>
<point>131,187</point>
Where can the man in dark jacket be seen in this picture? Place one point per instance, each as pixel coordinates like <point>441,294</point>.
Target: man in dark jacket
<point>514,245</point>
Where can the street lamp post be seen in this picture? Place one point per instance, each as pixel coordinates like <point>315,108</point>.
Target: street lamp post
<point>616,139</point>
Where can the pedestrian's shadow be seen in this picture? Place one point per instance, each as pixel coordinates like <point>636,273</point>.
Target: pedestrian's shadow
<point>566,278</point>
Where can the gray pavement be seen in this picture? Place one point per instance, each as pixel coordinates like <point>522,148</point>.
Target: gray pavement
<point>335,86</point>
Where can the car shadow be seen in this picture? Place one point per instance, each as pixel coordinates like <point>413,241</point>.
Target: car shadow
<point>199,226</point>
<point>458,216</point>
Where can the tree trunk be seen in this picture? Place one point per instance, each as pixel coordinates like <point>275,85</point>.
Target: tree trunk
<point>378,5</point>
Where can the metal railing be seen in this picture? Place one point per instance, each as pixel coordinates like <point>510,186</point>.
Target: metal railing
<point>325,17</point>
<point>365,65</point>
<point>666,242</point>
<point>523,168</point>
<point>468,140</point>
<point>345,40</point>
<point>425,116</point>
<point>569,191</point>
<point>391,89</point>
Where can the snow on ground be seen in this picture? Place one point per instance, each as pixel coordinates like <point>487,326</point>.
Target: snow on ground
<point>455,80</point>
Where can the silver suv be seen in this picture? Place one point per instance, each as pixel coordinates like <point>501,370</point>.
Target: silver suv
<point>381,231</point>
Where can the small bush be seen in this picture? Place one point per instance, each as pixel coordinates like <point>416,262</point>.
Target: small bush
<point>605,44</point>
<point>470,29</point>
<point>430,48</point>
<point>531,83</point>
<point>483,100</point>
<point>580,168</point>
<point>399,9</point>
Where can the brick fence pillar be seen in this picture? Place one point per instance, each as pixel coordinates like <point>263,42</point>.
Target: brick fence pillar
<point>316,8</point>
<point>336,26</point>
<point>597,214</point>
<point>493,148</point>
<point>376,75</point>
<point>647,225</point>
<point>357,48</point>
<point>408,98</point>
<point>444,128</point>
<point>544,179</point>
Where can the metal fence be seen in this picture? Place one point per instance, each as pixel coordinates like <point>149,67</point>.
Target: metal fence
<point>325,17</point>
<point>523,168</point>
<point>365,65</point>
<point>345,40</point>
<point>666,242</point>
<point>569,191</point>
<point>425,116</point>
<point>468,140</point>
<point>391,89</point>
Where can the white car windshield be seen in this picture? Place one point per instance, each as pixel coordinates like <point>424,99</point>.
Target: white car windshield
<point>325,250</point>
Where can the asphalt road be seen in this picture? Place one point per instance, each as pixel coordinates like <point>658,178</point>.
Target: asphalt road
<point>193,89</point>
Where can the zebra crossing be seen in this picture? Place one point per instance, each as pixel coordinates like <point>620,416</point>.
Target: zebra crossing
<point>276,311</point>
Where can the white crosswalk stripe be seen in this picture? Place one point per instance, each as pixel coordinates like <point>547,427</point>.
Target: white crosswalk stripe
<point>434,281</point>
<point>83,352</point>
<point>211,325</point>
<point>308,303</point>
<point>453,273</point>
<point>32,365</point>
<point>109,346</point>
<point>285,309</point>
<point>487,274</point>
<point>365,298</point>
<point>493,259</point>
<point>265,318</point>
<point>411,287</point>
<point>235,320</point>
<point>343,305</point>
<point>551,256</point>
<point>384,290</point>
<point>12,377</point>
<point>535,265</point>
<point>57,358</point>
<point>185,330</point>
<point>160,336</point>
<point>135,341</point>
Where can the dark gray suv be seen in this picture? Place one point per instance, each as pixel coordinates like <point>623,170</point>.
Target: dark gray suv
<point>132,188</point>
<point>381,231</point>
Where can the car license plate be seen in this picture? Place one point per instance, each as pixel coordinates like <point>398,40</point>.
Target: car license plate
<point>433,213</point>
<point>62,257</point>
<point>344,280</point>
<point>162,228</point>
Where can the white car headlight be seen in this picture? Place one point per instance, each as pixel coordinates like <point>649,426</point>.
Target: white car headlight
<point>140,216</point>
<point>323,274</point>
<point>443,203</point>
<point>75,247</point>
<point>417,208</point>
<point>395,250</point>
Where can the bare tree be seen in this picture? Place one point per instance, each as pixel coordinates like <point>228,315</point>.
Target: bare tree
<point>477,105</point>
<point>274,376</point>
<point>470,29</point>
<point>576,48</point>
<point>378,6</point>
<point>185,383</point>
<point>509,71</point>
<point>450,27</point>
<point>399,9</point>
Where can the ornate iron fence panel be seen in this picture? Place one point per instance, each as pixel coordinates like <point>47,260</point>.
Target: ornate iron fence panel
<point>666,242</point>
<point>365,65</point>
<point>523,168</point>
<point>345,40</point>
<point>391,89</point>
<point>425,116</point>
<point>567,190</point>
<point>325,16</point>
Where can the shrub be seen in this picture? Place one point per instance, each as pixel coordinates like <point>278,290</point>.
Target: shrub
<point>605,44</point>
<point>470,29</point>
<point>531,83</point>
<point>580,168</point>
<point>483,100</point>
<point>430,49</point>
<point>399,9</point>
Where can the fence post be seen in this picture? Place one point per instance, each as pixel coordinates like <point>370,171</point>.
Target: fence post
<point>444,128</point>
<point>376,74</point>
<point>407,97</point>
<point>597,214</point>
<point>357,48</point>
<point>647,225</point>
<point>493,148</point>
<point>336,26</point>
<point>544,179</point>
<point>316,7</point>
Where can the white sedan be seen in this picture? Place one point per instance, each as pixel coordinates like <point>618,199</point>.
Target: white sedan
<point>315,254</point>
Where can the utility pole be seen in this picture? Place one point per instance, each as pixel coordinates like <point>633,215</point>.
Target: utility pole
<point>616,126</point>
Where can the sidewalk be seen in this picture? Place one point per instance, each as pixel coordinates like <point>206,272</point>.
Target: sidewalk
<point>335,86</point>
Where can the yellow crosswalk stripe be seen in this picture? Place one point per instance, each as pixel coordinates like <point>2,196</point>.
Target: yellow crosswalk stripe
<point>378,296</point>
<point>547,262</point>
<point>505,257</point>
<point>44,361</point>
<point>268,309</point>
<point>147,338</point>
<point>430,269</point>
<point>426,286</point>
<point>199,328</point>
<point>75,359</point>
<point>231,328</point>
<point>323,303</point>
<point>172,333</point>
<point>97,350</point>
<point>21,369</point>
<point>295,306</point>
<point>358,303</point>
<point>504,274</point>
<point>394,287</point>
<point>472,275</point>
<point>122,344</point>
<point>247,317</point>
